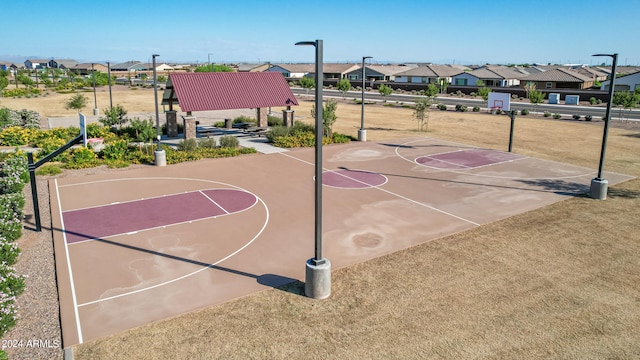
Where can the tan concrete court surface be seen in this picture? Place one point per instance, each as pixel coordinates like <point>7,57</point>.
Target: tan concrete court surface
<point>379,197</point>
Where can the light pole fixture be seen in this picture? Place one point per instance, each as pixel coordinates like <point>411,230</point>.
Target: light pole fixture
<point>160,156</point>
<point>209,58</point>
<point>318,269</point>
<point>109,80</point>
<point>362,133</point>
<point>599,185</point>
<point>95,98</point>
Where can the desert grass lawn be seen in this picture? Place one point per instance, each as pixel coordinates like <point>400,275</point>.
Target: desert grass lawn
<point>559,282</point>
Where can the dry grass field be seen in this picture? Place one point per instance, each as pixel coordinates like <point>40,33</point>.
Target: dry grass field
<point>559,282</point>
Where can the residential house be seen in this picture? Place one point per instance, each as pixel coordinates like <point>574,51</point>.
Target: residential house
<point>62,63</point>
<point>292,70</point>
<point>490,75</point>
<point>559,78</point>
<point>36,63</point>
<point>88,68</point>
<point>378,72</point>
<point>129,66</point>
<point>253,67</point>
<point>629,82</point>
<point>428,74</point>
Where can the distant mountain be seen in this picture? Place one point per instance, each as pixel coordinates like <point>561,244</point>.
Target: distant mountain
<point>16,59</point>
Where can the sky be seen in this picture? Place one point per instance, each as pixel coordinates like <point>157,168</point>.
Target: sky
<point>250,31</point>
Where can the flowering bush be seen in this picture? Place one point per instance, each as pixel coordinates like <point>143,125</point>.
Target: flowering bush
<point>13,177</point>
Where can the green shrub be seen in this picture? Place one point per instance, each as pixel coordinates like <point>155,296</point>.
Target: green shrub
<point>17,136</point>
<point>341,138</point>
<point>592,100</point>
<point>441,106</point>
<point>557,116</point>
<point>49,169</point>
<point>116,150</point>
<point>274,120</point>
<point>11,285</point>
<point>461,108</point>
<point>546,114</point>
<point>576,117</point>
<point>524,112</point>
<point>243,119</point>
<point>208,142</point>
<point>49,145</point>
<point>588,117</point>
<point>229,141</point>
<point>187,145</point>
<point>82,158</point>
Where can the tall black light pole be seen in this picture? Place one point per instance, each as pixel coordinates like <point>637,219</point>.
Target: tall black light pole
<point>362,133</point>
<point>599,185</point>
<point>95,98</point>
<point>109,80</point>
<point>318,269</point>
<point>160,156</point>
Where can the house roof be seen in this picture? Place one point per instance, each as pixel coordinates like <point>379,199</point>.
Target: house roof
<point>389,69</point>
<point>432,71</point>
<point>497,72</point>
<point>297,68</point>
<point>205,91</point>
<point>558,75</point>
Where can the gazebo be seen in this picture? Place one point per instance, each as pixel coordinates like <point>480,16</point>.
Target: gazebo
<point>205,91</point>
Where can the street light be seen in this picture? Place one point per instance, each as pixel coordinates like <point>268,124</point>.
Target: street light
<point>95,98</point>
<point>209,58</point>
<point>318,269</point>
<point>160,156</point>
<point>362,133</point>
<point>599,185</point>
<point>109,80</point>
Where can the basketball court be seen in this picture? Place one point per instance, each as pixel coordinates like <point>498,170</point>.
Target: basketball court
<point>137,246</point>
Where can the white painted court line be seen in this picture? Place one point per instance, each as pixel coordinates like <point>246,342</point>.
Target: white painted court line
<point>400,196</point>
<point>257,235</point>
<point>214,202</point>
<point>386,180</point>
<point>66,250</point>
<point>466,172</point>
<point>191,273</point>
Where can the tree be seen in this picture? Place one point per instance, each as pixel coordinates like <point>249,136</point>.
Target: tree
<point>343,86</point>
<point>214,67</point>
<point>528,87</point>
<point>4,82</point>
<point>77,102</point>
<point>483,92</point>
<point>536,97</point>
<point>329,116</point>
<point>444,84</point>
<point>421,112</point>
<point>431,91</point>
<point>385,90</point>
<point>626,100</point>
<point>480,83</point>
<point>307,83</point>
<point>114,116</point>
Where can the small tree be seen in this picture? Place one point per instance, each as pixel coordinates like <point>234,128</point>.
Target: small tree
<point>385,90</point>
<point>444,84</point>
<point>421,112</point>
<point>307,83</point>
<point>329,116</point>
<point>114,116</point>
<point>483,92</point>
<point>343,86</point>
<point>431,91</point>
<point>536,97</point>
<point>626,100</point>
<point>77,102</point>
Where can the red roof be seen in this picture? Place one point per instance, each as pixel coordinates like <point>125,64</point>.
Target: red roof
<point>204,91</point>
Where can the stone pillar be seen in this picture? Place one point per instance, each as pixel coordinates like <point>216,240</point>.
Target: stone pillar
<point>262,116</point>
<point>189,127</point>
<point>288,117</point>
<point>172,124</point>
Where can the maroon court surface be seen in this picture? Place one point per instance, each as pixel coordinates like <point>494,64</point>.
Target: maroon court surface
<point>137,246</point>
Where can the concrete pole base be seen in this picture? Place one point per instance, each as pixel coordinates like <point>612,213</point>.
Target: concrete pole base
<point>96,112</point>
<point>362,135</point>
<point>160,157</point>
<point>318,279</point>
<point>599,189</point>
